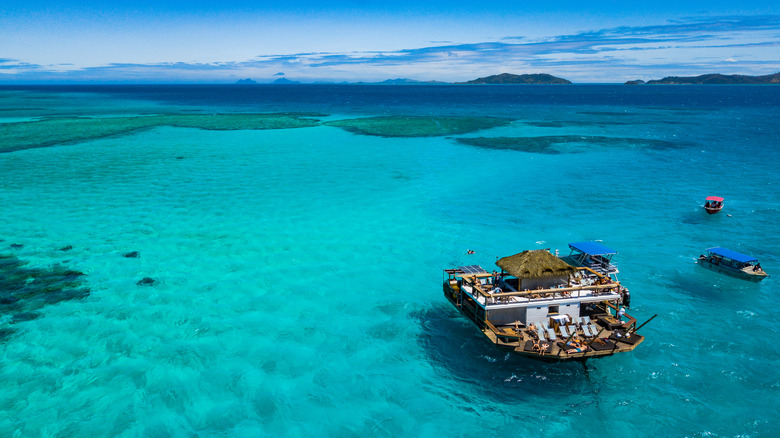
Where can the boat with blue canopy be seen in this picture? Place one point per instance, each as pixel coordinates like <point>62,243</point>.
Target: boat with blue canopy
<point>597,258</point>
<point>593,255</point>
<point>732,263</point>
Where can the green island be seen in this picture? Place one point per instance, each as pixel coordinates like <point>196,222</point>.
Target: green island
<point>711,79</point>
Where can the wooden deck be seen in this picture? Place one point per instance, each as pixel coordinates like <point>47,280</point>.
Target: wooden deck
<point>522,340</point>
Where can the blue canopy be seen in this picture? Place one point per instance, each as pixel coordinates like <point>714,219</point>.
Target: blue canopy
<point>733,255</point>
<point>592,248</point>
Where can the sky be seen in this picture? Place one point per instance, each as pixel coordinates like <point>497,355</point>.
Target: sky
<point>195,41</point>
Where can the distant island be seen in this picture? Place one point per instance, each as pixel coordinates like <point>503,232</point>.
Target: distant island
<point>510,79</point>
<point>403,81</point>
<point>284,81</point>
<point>500,79</point>
<point>711,79</point>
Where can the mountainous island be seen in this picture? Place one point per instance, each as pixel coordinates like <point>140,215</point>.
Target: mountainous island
<point>285,81</point>
<point>711,79</point>
<point>508,78</point>
<point>404,81</point>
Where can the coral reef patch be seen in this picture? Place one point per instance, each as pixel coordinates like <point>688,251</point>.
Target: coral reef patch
<point>65,130</point>
<point>418,126</point>
<point>556,144</point>
<point>25,290</point>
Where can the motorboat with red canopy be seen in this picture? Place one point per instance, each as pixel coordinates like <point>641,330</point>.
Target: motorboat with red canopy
<point>713,204</point>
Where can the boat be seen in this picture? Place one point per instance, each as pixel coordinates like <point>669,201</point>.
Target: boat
<point>732,263</point>
<point>541,307</point>
<point>713,204</point>
<point>598,258</point>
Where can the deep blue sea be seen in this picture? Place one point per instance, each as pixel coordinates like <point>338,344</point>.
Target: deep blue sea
<point>243,261</point>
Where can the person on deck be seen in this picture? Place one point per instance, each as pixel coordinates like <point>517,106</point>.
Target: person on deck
<point>576,346</point>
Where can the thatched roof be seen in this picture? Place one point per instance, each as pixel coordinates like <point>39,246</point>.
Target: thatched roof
<point>535,264</point>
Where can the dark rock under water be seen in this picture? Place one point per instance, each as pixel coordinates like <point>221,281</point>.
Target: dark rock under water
<point>146,281</point>
<point>24,290</point>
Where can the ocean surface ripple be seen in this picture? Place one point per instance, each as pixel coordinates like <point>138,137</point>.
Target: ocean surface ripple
<point>267,261</point>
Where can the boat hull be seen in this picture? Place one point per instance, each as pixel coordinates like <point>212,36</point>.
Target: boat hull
<point>742,275</point>
<point>712,210</point>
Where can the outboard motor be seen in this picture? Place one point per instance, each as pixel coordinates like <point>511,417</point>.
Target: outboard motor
<point>625,296</point>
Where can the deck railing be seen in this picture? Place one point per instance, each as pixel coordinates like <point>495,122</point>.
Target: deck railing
<point>554,293</point>
<point>550,293</point>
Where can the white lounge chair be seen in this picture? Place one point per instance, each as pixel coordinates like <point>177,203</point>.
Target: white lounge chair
<point>586,330</point>
<point>539,331</point>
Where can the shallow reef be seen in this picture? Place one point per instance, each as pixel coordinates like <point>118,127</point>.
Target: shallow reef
<point>574,123</point>
<point>556,144</point>
<point>25,290</point>
<point>418,126</point>
<point>64,130</point>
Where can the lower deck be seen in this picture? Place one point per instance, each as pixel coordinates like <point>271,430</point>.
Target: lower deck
<point>611,338</point>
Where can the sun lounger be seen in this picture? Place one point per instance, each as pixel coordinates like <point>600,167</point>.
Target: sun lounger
<point>572,330</point>
<point>584,320</point>
<point>564,331</point>
<point>586,330</point>
<point>529,346</point>
<point>551,334</point>
<point>594,328</point>
<point>540,331</point>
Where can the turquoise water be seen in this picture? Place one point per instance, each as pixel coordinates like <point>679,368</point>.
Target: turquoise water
<point>297,271</point>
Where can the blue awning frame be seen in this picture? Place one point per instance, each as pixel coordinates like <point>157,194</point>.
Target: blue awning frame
<point>592,248</point>
<point>733,255</point>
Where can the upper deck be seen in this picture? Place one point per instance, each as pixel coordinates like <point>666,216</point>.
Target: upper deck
<point>491,290</point>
